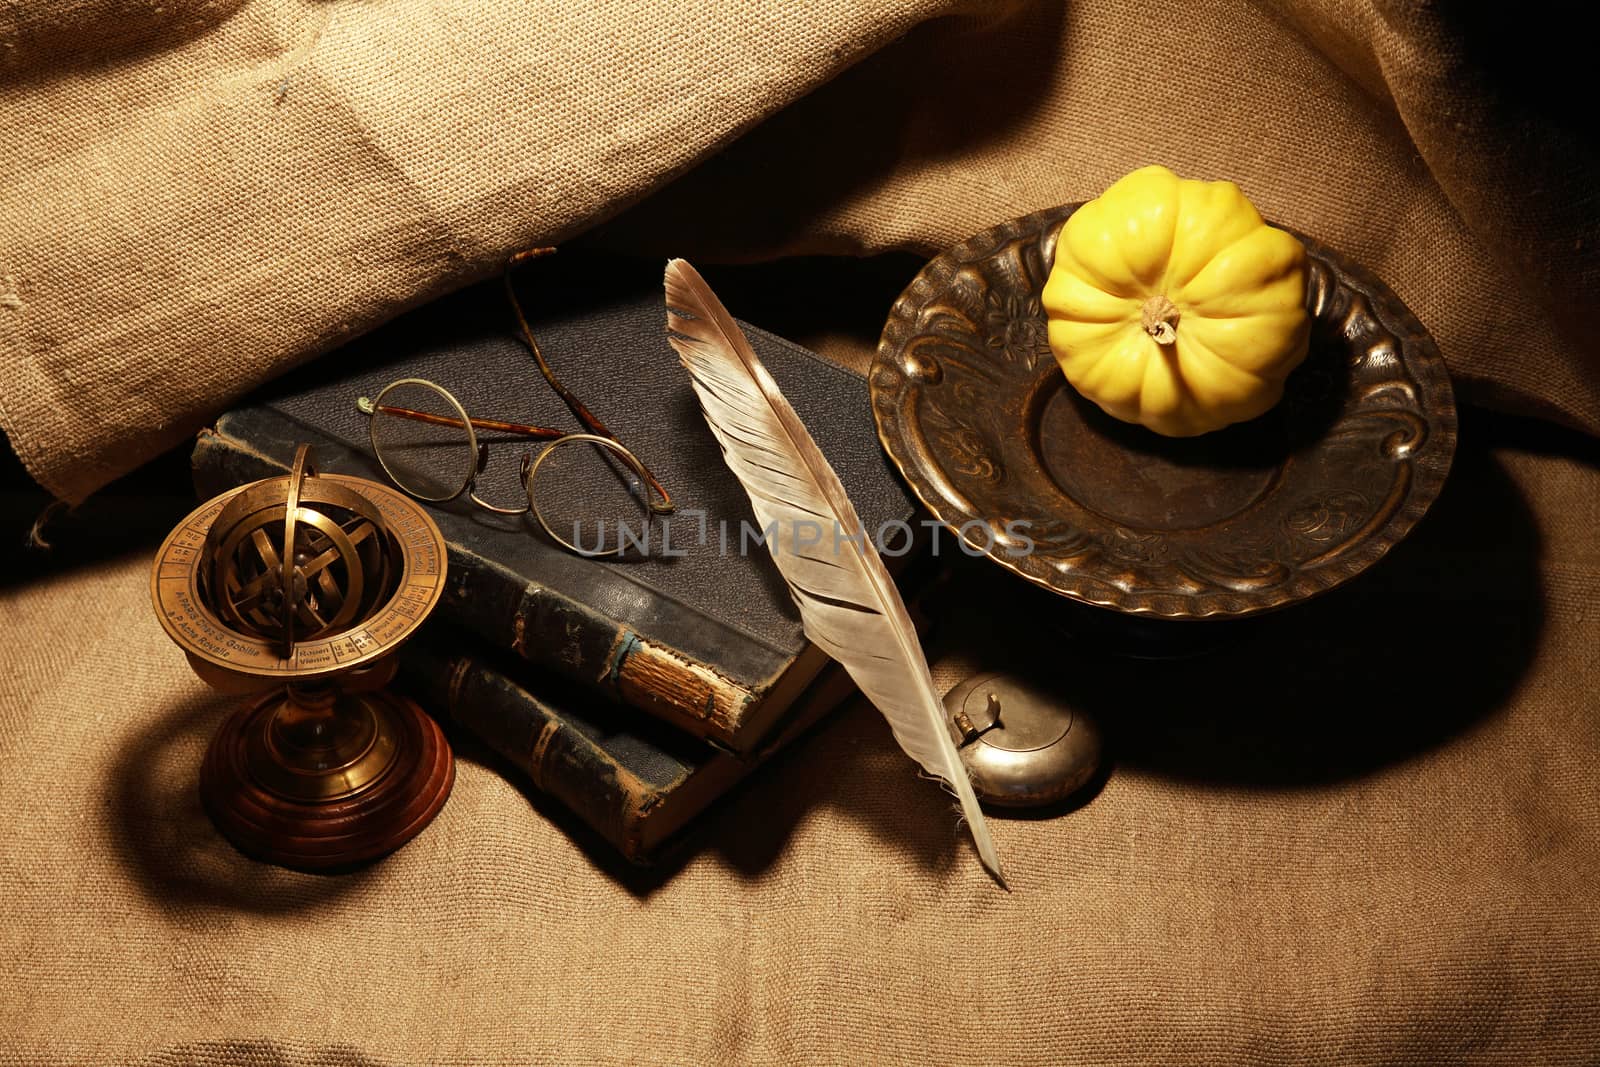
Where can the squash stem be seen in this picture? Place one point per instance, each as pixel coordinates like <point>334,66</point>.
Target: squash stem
<point>1160,319</point>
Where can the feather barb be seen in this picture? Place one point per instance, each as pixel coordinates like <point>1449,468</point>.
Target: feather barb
<point>848,602</point>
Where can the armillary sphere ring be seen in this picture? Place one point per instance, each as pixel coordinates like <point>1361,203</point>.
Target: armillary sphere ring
<point>416,561</point>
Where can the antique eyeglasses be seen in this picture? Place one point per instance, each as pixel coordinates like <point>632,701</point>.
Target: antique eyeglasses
<point>578,487</point>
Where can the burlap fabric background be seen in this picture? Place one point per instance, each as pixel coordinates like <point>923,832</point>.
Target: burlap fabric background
<point>1382,851</point>
<point>197,195</point>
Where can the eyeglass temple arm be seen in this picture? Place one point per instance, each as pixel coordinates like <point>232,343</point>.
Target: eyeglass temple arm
<point>544,433</point>
<point>590,420</point>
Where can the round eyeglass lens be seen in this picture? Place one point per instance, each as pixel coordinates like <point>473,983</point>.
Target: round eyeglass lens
<point>421,436</point>
<point>589,494</point>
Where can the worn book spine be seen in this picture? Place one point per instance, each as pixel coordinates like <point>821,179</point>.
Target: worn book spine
<point>586,646</point>
<point>636,811</point>
<point>532,735</point>
<point>540,624</point>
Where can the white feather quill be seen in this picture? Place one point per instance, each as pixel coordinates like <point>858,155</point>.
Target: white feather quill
<point>848,603</point>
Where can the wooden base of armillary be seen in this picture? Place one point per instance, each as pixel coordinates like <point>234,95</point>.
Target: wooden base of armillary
<point>324,780</point>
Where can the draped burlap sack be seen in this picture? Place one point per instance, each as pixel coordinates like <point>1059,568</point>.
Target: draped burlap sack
<point>195,195</point>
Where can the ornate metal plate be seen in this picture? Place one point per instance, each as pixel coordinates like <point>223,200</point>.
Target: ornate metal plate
<point>175,588</point>
<point>972,407</point>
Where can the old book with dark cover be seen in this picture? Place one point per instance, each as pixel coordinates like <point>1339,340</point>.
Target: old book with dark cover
<point>706,638</point>
<point>631,779</point>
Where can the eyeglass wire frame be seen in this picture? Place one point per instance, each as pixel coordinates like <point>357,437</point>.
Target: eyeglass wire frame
<point>477,454</point>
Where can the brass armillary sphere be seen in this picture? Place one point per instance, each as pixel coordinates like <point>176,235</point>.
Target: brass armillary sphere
<point>301,588</point>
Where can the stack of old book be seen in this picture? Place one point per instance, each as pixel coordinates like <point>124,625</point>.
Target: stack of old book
<point>633,690</point>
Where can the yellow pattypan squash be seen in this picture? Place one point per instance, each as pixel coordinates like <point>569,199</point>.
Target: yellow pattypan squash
<point>1173,305</point>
